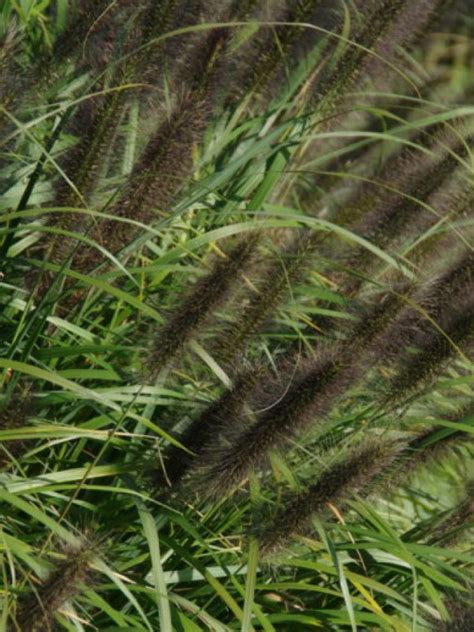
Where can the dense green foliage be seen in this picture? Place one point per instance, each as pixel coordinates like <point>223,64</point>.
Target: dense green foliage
<point>237,326</point>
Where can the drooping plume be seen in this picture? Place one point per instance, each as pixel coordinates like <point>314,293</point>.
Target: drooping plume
<point>338,483</point>
<point>308,400</point>
<point>461,616</point>
<point>204,430</point>
<point>36,612</point>
<point>193,310</point>
<point>14,415</point>
<point>454,523</point>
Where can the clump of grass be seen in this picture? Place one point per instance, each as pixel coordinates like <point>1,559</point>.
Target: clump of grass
<point>272,288</point>
<point>392,333</point>
<point>340,482</point>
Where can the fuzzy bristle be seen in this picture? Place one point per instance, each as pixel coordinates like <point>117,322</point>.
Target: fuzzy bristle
<point>271,290</point>
<point>14,414</point>
<point>164,166</point>
<point>204,431</point>
<point>461,617</point>
<point>339,483</point>
<point>313,393</point>
<point>206,295</point>
<point>309,399</point>
<point>37,612</point>
<point>454,523</point>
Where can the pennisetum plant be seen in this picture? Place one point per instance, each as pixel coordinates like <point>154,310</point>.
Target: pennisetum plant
<point>379,28</point>
<point>263,57</point>
<point>273,287</point>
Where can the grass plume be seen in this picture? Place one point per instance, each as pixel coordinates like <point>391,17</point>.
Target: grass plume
<point>193,310</point>
<point>311,396</point>
<point>203,430</point>
<point>339,483</point>
<point>461,617</point>
<point>13,415</point>
<point>36,613</point>
<point>456,521</point>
